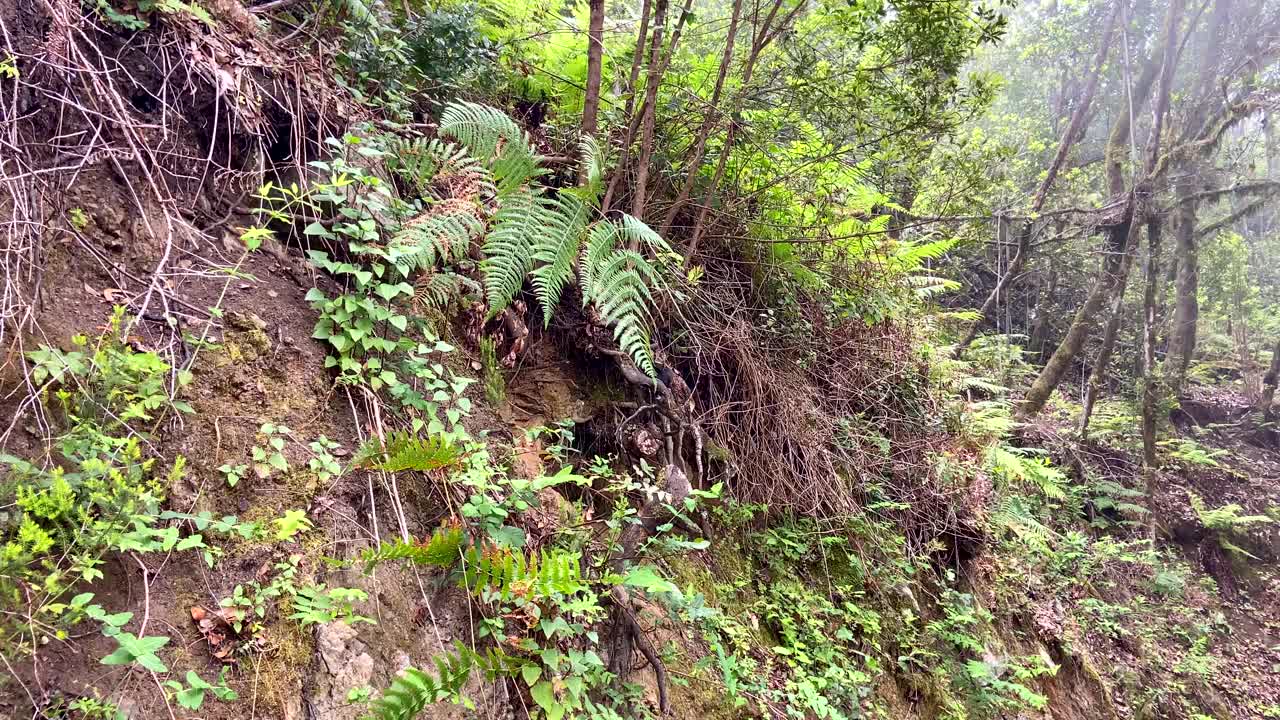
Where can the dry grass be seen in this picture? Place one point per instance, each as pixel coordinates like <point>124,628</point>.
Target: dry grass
<point>815,414</point>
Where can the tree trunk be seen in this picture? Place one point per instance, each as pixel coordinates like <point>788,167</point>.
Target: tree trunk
<point>1120,243</point>
<point>1074,129</point>
<point>633,79</point>
<point>694,161</point>
<point>595,55</point>
<point>764,35</point>
<point>1098,374</point>
<point>1150,383</point>
<point>1151,399</point>
<point>1121,237</point>
<point>1040,330</point>
<point>1186,308</point>
<point>649,110</point>
<point>1266,404</point>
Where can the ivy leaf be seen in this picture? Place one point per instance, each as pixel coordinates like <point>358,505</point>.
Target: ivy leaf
<point>648,579</point>
<point>140,650</point>
<point>545,696</point>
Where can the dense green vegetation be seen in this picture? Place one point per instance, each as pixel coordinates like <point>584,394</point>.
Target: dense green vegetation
<point>626,360</point>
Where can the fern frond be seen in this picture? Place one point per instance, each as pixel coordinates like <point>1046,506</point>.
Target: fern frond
<point>442,549</point>
<point>910,257</point>
<point>405,451</point>
<point>1012,515</point>
<point>413,690</point>
<point>509,574</point>
<point>438,289</point>
<point>440,235</point>
<point>986,385</point>
<point>602,238</point>
<point>514,167</point>
<point>634,230</point>
<point>509,248</point>
<point>593,162</point>
<point>620,293</point>
<point>926,286</point>
<point>557,249</point>
<point>1015,464</point>
<point>482,129</point>
<point>438,169</point>
<point>491,135</point>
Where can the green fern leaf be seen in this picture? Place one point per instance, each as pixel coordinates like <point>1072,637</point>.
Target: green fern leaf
<point>509,249</point>
<point>509,574</point>
<point>593,162</point>
<point>910,257</point>
<point>438,169</point>
<point>514,167</point>
<point>442,234</point>
<point>634,231</point>
<point>403,451</point>
<point>439,289</point>
<point>602,238</point>
<point>443,549</point>
<point>413,690</point>
<point>482,129</point>
<point>557,249</point>
<point>619,282</point>
<point>490,134</point>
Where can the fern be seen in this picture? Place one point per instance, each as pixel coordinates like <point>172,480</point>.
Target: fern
<point>557,249</point>
<point>1018,464</point>
<point>509,574</point>
<point>509,249</point>
<point>532,235</point>
<point>1011,514</point>
<point>635,232</point>
<point>1227,522</point>
<point>490,134</point>
<point>443,549</point>
<point>593,164</point>
<point>482,129</point>
<point>910,257</point>
<point>440,235</point>
<point>621,294</point>
<point>413,690</point>
<point>514,167</point>
<point>403,451</point>
<point>602,238</point>
<point>438,289</point>
<point>438,169</point>
<point>926,286</point>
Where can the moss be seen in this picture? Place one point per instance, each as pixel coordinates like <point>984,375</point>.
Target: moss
<point>290,650</point>
<point>717,452</point>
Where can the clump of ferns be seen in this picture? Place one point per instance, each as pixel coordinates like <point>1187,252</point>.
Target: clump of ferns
<point>550,237</point>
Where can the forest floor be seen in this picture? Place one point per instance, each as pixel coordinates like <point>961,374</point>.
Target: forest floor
<point>1008,574</point>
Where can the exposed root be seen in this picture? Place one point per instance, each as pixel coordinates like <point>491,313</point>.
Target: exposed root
<point>628,635</point>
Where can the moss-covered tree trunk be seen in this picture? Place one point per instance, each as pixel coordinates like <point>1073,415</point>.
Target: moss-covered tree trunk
<point>1120,241</point>
<point>1097,376</point>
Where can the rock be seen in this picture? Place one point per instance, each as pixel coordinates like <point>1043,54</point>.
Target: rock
<point>292,709</point>
<point>344,665</point>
